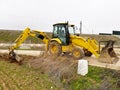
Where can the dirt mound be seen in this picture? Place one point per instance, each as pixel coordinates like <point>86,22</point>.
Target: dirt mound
<point>25,58</point>
<point>3,56</point>
<point>61,67</point>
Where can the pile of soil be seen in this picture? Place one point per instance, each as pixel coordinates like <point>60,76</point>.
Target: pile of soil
<point>4,57</point>
<point>62,67</point>
<point>25,58</point>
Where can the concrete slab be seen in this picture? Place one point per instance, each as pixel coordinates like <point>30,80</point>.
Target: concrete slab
<point>94,62</point>
<point>24,52</point>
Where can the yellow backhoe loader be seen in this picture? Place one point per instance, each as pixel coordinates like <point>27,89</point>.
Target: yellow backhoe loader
<point>64,40</point>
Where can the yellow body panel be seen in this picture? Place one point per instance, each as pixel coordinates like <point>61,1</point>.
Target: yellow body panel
<point>67,48</point>
<point>89,44</point>
<point>57,40</point>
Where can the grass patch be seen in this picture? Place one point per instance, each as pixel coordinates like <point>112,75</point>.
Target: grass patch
<point>15,77</point>
<point>96,79</point>
<point>9,36</point>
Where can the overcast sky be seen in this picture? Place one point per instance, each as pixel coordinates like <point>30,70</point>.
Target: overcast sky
<point>98,16</point>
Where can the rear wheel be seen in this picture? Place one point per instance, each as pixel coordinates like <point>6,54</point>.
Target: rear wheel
<point>54,48</point>
<point>77,53</point>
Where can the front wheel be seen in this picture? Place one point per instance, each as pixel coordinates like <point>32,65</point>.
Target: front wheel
<point>77,53</point>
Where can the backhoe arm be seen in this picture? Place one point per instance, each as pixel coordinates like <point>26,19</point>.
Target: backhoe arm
<point>21,39</point>
<point>25,34</point>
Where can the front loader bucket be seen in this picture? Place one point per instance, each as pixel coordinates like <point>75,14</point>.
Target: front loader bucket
<point>107,54</point>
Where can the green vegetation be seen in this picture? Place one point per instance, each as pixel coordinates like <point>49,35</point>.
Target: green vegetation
<point>15,77</point>
<point>102,37</point>
<point>9,36</point>
<point>97,79</point>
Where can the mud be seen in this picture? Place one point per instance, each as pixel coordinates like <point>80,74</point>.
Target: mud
<point>25,58</point>
<point>4,57</point>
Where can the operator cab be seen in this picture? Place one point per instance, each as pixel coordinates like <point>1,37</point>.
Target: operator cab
<point>63,31</point>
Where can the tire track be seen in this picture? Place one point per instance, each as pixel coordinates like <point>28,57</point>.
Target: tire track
<point>1,87</point>
<point>3,84</point>
<point>9,82</point>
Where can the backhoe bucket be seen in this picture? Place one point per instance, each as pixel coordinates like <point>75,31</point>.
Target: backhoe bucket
<point>14,57</point>
<point>107,54</point>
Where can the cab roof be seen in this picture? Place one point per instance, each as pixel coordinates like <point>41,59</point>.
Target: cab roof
<point>62,24</point>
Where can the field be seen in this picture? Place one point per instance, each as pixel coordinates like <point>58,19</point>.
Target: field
<point>9,36</point>
<point>15,77</point>
<point>48,73</point>
<point>51,74</point>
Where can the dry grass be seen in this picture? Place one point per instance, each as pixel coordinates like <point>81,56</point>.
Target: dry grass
<point>63,71</point>
<point>16,77</point>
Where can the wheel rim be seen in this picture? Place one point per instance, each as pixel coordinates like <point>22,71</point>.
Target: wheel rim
<point>54,49</point>
<point>76,53</point>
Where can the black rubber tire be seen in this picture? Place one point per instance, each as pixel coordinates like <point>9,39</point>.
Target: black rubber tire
<point>77,53</point>
<point>54,48</point>
<point>88,53</point>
